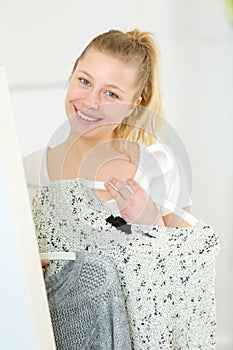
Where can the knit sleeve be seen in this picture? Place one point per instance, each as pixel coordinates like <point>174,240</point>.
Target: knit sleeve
<point>40,228</point>
<point>114,330</point>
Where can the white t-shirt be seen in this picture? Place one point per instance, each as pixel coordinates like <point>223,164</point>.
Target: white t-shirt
<point>158,173</point>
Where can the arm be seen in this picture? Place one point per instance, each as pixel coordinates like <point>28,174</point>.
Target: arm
<point>172,220</point>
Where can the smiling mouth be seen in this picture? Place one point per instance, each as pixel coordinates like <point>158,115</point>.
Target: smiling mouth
<point>86,117</point>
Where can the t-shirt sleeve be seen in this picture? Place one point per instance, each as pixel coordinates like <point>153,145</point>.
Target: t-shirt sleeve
<point>32,164</point>
<point>167,178</point>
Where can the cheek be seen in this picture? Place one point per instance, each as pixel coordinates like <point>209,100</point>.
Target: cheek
<point>116,112</point>
<point>67,103</point>
<point>74,92</point>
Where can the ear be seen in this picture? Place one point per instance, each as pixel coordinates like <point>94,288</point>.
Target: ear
<point>134,105</point>
<point>139,100</point>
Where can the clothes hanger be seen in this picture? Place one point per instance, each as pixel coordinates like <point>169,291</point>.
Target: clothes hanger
<point>99,185</point>
<point>58,256</point>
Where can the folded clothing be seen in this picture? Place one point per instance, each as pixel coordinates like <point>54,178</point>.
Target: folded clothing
<point>87,307</point>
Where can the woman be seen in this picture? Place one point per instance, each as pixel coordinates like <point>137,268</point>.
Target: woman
<point>115,73</point>
<point>112,104</point>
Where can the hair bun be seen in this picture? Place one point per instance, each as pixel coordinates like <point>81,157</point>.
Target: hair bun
<point>143,38</point>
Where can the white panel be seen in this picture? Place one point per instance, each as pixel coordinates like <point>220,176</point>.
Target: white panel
<point>25,315</point>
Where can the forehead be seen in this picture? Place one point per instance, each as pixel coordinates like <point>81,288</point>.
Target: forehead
<point>103,66</point>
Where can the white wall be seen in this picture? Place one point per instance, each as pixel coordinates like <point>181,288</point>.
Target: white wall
<point>199,89</point>
<point>40,41</point>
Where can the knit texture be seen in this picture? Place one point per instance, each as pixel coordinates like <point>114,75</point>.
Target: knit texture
<point>87,307</point>
<point>167,275</point>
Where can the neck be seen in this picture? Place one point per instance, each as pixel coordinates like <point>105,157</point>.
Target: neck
<point>78,147</point>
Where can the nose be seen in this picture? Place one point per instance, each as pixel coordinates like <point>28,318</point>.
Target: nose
<point>92,100</point>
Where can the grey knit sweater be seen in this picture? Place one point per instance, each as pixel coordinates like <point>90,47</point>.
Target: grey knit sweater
<point>87,307</point>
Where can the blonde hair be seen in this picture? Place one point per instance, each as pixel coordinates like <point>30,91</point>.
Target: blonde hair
<point>139,49</point>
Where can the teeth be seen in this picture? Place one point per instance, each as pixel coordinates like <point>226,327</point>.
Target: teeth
<point>85,117</point>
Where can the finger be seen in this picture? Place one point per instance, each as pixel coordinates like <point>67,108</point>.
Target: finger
<point>124,190</point>
<point>122,187</point>
<point>111,189</point>
<point>134,185</point>
<point>44,262</point>
<point>114,181</point>
<point>120,200</point>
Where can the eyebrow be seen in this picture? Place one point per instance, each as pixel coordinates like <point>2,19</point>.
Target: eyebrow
<point>112,86</point>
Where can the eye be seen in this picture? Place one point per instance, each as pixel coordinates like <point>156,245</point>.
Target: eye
<point>111,94</point>
<point>84,81</point>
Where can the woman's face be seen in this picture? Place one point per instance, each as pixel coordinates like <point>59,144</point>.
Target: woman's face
<point>100,94</point>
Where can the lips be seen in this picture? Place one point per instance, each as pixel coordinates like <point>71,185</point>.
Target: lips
<point>86,117</point>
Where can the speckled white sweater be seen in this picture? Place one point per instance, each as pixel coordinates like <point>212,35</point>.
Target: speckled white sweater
<point>167,275</point>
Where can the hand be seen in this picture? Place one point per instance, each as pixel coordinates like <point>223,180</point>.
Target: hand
<point>134,203</point>
<point>44,263</point>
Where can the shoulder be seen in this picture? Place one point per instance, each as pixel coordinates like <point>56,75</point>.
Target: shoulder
<point>157,157</point>
<point>169,177</point>
<point>32,164</point>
